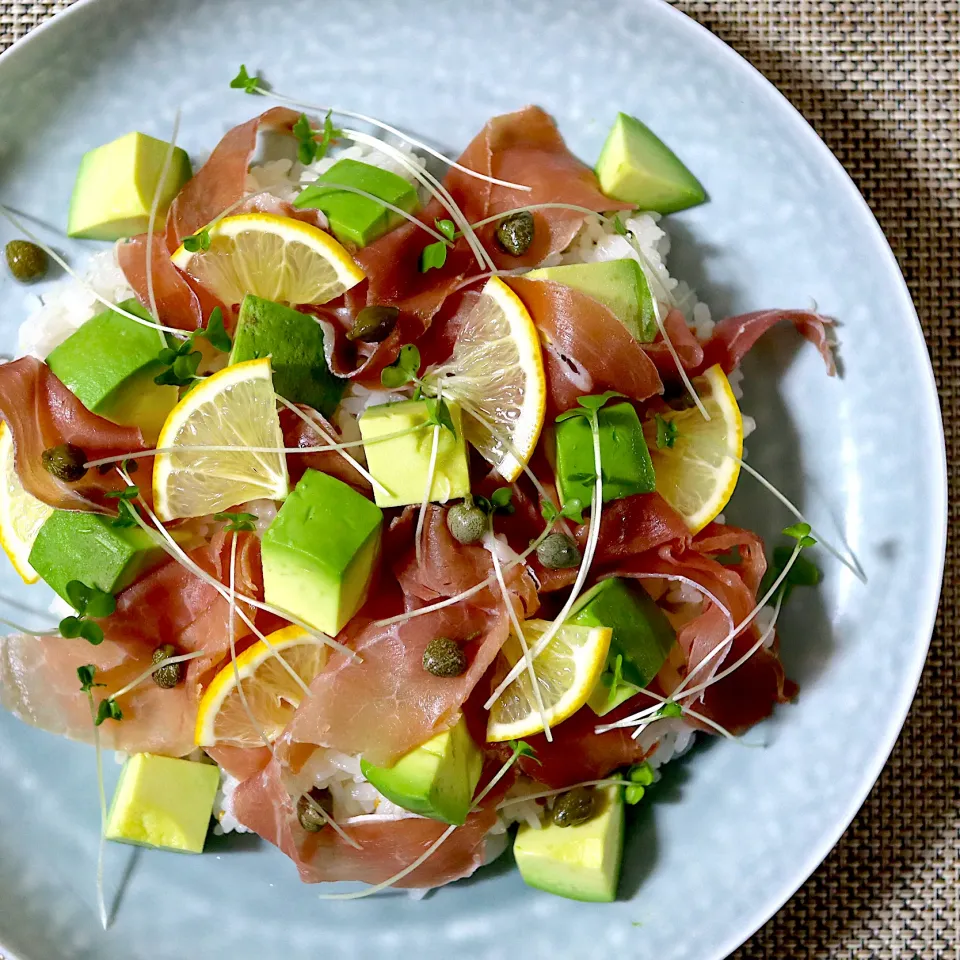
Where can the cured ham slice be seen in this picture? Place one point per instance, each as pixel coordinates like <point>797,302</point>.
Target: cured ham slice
<point>42,413</point>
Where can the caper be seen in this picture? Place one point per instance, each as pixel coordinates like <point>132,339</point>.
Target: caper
<point>515,233</point>
<point>466,522</point>
<point>308,809</point>
<point>444,658</point>
<point>374,324</point>
<point>558,551</point>
<point>65,461</point>
<point>170,674</point>
<point>27,262</point>
<point>573,807</point>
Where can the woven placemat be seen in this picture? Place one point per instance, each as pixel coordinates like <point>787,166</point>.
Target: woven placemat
<point>880,81</point>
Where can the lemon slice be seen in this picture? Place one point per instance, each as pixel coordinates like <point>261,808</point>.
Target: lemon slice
<point>698,474</point>
<point>567,671</point>
<point>272,694</point>
<point>277,258</point>
<point>496,374</point>
<point>232,408</point>
<point>21,514</point>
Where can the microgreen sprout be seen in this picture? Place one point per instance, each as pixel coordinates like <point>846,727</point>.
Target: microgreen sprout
<point>436,419</point>
<point>438,413</point>
<point>434,256</point>
<point>197,241</point>
<point>641,776</point>
<point>447,227</point>
<point>108,710</point>
<point>88,602</point>
<point>183,360</point>
<point>248,84</point>
<point>619,227</point>
<point>313,144</point>
<point>667,432</point>
<point>571,510</point>
<point>403,370</point>
<point>500,501</point>
<point>126,507</point>
<point>86,675</point>
<point>237,522</point>
<point>803,573</point>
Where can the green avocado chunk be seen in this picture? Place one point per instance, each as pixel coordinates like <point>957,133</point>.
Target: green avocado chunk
<point>163,802</point>
<point>578,862</point>
<point>356,220</point>
<point>627,467</point>
<point>109,364</point>
<point>436,780</point>
<point>402,464</point>
<point>319,552</point>
<point>87,547</point>
<point>619,285</point>
<point>116,184</point>
<point>636,166</point>
<point>642,637</point>
<point>295,344</point>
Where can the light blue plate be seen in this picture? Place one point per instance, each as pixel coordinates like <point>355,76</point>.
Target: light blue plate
<point>733,831</point>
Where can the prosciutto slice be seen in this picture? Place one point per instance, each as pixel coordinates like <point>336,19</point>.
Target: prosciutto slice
<point>586,348</point>
<point>733,337</point>
<point>42,413</point>
<point>263,804</point>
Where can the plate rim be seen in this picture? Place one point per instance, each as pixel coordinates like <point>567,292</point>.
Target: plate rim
<point>885,744</point>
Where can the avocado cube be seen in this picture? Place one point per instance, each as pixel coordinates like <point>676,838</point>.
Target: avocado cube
<point>356,220</point>
<point>87,547</point>
<point>627,467</point>
<point>319,553</point>
<point>295,344</point>
<point>163,802</point>
<point>636,166</point>
<point>642,637</point>
<point>402,464</point>
<point>116,184</point>
<point>620,285</point>
<point>436,780</point>
<point>109,364</point>
<point>578,862</point>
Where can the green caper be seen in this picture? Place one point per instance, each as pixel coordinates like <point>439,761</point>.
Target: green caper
<point>515,233</point>
<point>466,522</point>
<point>444,658</point>
<point>308,809</point>
<point>65,461</point>
<point>27,262</point>
<point>558,551</point>
<point>573,807</point>
<point>374,324</point>
<point>170,674</point>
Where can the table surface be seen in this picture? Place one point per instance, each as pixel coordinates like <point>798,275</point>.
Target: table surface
<point>880,82</point>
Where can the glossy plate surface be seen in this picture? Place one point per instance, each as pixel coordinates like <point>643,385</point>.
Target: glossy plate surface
<point>732,831</point>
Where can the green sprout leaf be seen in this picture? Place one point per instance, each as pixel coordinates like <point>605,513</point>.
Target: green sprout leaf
<point>588,405</point>
<point>572,510</point>
<point>619,227</point>
<point>85,675</point>
<point>802,573</point>
<point>215,333</point>
<point>641,773</point>
<point>197,241</point>
<point>70,627</point>
<point>306,144</point>
<point>108,710</point>
<point>238,521</point>
<point>634,793</point>
<point>447,227</point>
<point>87,601</point>
<point>100,604</point>
<point>501,500</point>
<point>439,414</point>
<point>243,81</point>
<point>78,594</point>
<point>434,256</point>
<point>182,371</point>
<point>667,432</point>
<point>521,748</point>
<point>126,516</point>
<point>403,370</point>
<point>801,533</point>
<point>670,709</point>
<point>91,632</point>
<point>330,135</point>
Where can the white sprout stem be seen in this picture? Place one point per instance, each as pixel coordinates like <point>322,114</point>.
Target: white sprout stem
<point>516,272</point>
<point>607,782</point>
<point>101,902</point>
<point>152,221</point>
<point>363,118</point>
<point>851,562</point>
<point>518,630</point>
<point>182,658</point>
<point>428,486</point>
<point>676,360</point>
<point>451,601</point>
<point>53,255</point>
<point>317,428</point>
<point>231,634</point>
<point>22,629</point>
<point>593,538</point>
<point>399,211</point>
<point>435,187</point>
<point>429,852</point>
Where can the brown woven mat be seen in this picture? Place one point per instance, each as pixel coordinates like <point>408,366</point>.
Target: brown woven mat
<point>880,81</point>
